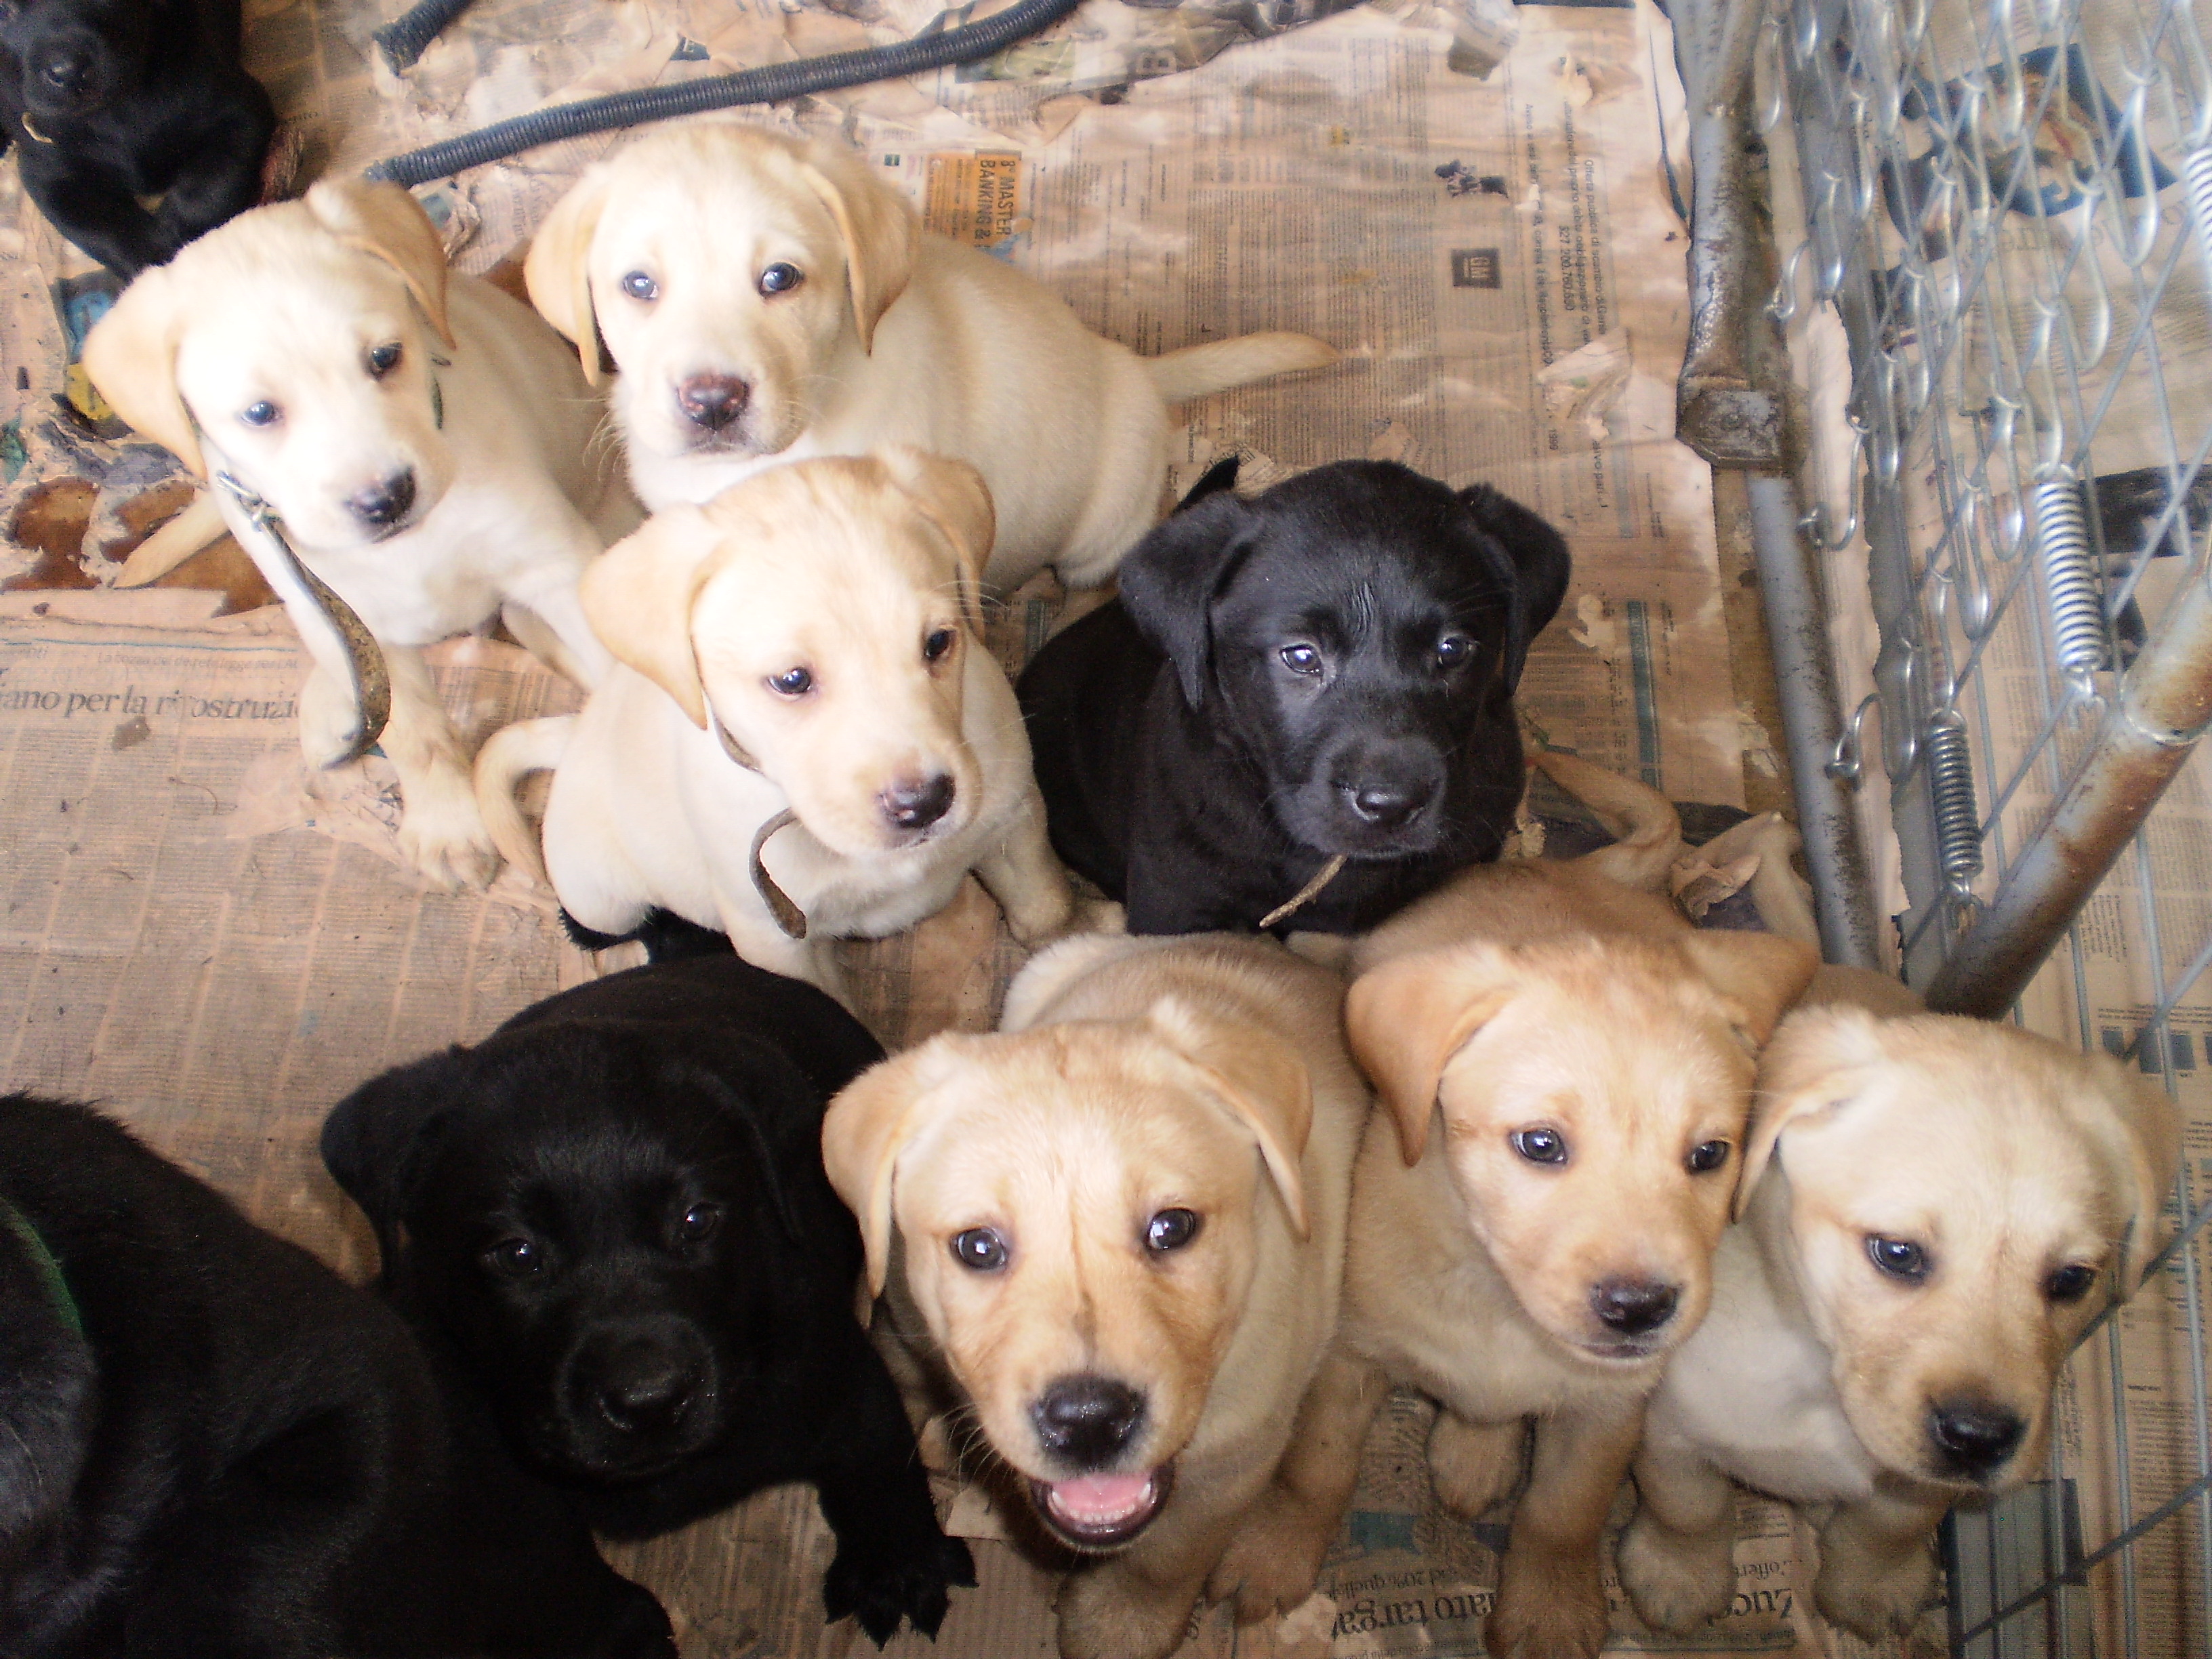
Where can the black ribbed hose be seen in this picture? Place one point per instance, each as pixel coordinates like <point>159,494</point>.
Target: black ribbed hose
<point>406,36</point>
<point>769,84</point>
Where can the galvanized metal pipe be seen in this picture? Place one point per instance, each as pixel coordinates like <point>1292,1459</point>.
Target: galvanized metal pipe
<point>2150,728</point>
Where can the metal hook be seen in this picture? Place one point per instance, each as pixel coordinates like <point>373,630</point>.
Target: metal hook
<point>1846,762</point>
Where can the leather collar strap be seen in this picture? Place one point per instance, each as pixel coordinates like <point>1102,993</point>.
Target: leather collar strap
<point>49,1270</point>
<point>781,905</point>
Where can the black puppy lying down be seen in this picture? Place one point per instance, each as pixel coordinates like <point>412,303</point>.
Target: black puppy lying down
<point>613,1209</point>
<point>1324,671</point>
<point>210,1444</point>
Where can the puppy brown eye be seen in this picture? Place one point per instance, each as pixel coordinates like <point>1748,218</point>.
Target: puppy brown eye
<point>1454,649</point>
<point>518,1258</point>
<point>2070,1283</point>
<point>1707,1155</point>
<point>1170,1230</point>
<point>383,359</point>
<point>1301,658</point>
<point>700,1223</point>
<point>980,1249</point>
<point>263,413</point>
<point>934,647</point>
<point>1539,1145</point>
<point>780,278</point>
<point>639,286</point>
<point>792,683</point>
<point>1901,1258</point>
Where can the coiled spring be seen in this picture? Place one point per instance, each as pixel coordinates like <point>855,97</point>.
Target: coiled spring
<point>2070,587</point>
<point>2196,186</point>
<point>1951,790</point>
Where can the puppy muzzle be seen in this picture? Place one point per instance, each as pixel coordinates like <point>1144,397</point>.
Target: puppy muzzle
<point>1088,1423</point>
<point>634,1398</point>
<point>1973,1439</point>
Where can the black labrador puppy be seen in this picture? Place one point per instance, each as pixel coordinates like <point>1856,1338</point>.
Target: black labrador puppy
<point>1324,671</point>
<point>210,1444</point>
<point>613,1211</point>
<point>108,101</point>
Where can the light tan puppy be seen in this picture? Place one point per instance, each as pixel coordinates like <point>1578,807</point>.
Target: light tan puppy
<point>768,299</point>
<point>810,644</point>
<point>1116,1230</point>
<point>1567,1066</point>
<point>421,437</point>
<point>1932,1209</point>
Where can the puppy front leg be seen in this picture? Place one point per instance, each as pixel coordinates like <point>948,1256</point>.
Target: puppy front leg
<point>1475,1464</point>
<point>1275,1558</point>
<point>755,936</point>
<point>1876,1570</point>
<point>1551,1587</point>
<point>1138,1605</point>
<point>1022,874</point>
<point>441,833</point>
<point>1677,1559</point>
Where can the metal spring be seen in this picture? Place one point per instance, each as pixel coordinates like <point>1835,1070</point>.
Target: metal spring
<point>1951,791</point>
<point>2069,579</point>
<point>2196,186</point>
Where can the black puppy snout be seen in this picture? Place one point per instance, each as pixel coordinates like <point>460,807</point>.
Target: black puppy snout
<point>1087,1419</point>
<point>386,501</point>
<point>1633,1307</point>
<point>67,71</point>
<point>916,804</point>
<point>1973,1437</point>
<point>712,401</point>
<point>1387,807</point>
<point>646,1385</point>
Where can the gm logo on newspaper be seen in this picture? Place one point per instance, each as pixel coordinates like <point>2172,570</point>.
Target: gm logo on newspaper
<point>1476,267</point>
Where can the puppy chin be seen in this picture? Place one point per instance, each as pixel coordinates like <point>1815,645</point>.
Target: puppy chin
<point>1098,1514</point>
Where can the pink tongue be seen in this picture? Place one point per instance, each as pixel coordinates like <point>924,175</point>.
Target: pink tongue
<point>1100,1497</point>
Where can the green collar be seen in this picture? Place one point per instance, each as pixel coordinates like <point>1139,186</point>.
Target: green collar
<point>49,1270</point>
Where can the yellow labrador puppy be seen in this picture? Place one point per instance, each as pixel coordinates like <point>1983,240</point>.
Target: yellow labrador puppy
<point>767,298</point>
<point>804,737</point>
<point>1115,1230</point>
<point>1568,1066</point>
<point>1932,1209</point>
<point>423,438</point>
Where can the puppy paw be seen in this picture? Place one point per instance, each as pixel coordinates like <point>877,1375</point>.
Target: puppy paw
<point>1677,1580</point>
<point>879,1592</point>
<point>454,855</point>
<point>329,718</point>
<point>1273,1563</point>
<point>1106,1614</point>
<point>1548,1609</point>
<point>1870,1596</point>
<point>1475,1464</point>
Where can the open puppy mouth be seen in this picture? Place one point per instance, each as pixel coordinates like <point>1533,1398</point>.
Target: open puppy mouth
<point>1102,1511</point>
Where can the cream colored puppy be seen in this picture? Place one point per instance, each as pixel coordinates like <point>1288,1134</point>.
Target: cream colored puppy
<point>422,438</point>
<point>1116,1230</point>
<point>1932,1209</point>
<point>1567,1066</point>
<point>768,299</point>
<point>803,714</point>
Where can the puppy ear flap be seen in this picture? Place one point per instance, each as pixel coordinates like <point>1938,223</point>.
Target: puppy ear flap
<point>558,269</point>
<point>1259,1078</point>
<point>2138,1129</point>
<point>868,1124</point>
<point>1408,1017</point>
<point>1542,565</point>
<point>953,495</point>
<point>131,355</point>
<point>1818,1060</point>
<point>373,1141</point>
<point>1170,579</point>
<point>637,596</point>
<point>382,220</point>
<point>1759,976</point>
<point>880,230</point>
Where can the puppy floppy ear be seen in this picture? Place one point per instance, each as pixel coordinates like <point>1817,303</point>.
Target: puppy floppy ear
<point>131,355</point>
<point>1409,1016</point>
<point>953,495</point>
<point>1259,1079</point>
<point>637,596</point>
<point>1542,565</point>
<point>1170,579</point>
<point>1818,1060</point>
<point>558,268</point>
<point>383,220</point>
<point>880,230</point>
<point>374,1141</point>
<point>2138,1131</point>
<point>869,1124</point>
<point>1759,976</point>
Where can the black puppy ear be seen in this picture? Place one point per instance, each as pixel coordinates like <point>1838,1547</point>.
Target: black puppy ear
<point>1169,581</point>
<point>1221,476</point>
<point>1541,566</point>
<point>374,1138</point>
<point>740,1111</point>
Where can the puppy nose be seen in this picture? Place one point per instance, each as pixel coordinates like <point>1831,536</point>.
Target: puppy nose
<point>917,804</point>
<point>712,400</point>
<point>646,1386</point>
<point>386,500</point>
<point>1087,1419</point>
<point>1633,1306</point>
<point>66,72</point>
<point>1974,1435</point>
<point>1387,807</point>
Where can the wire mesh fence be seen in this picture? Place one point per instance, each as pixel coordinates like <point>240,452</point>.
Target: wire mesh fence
<point>2008,205</point>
